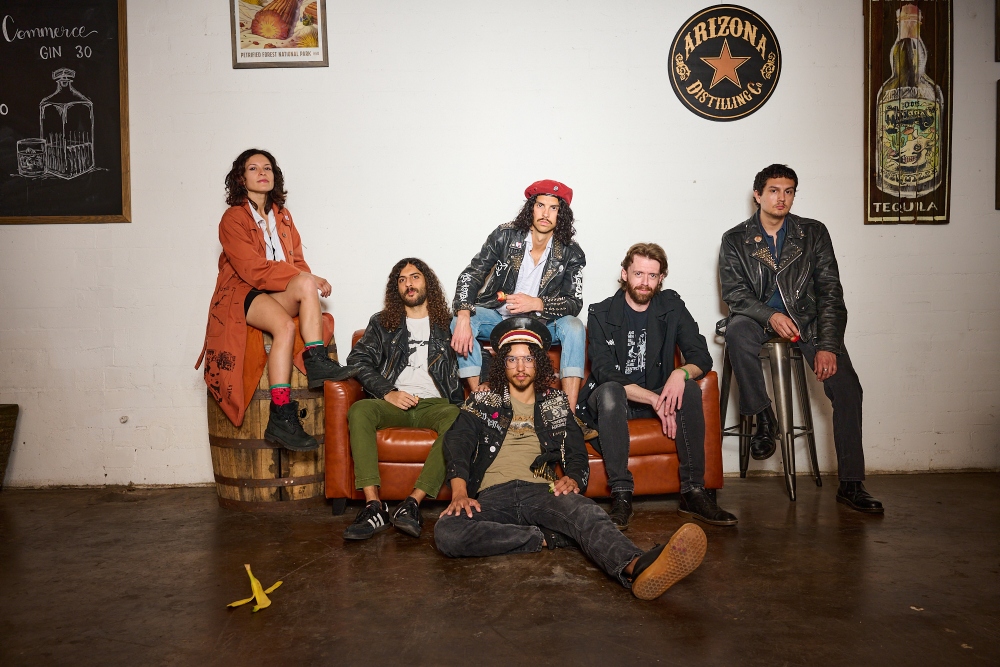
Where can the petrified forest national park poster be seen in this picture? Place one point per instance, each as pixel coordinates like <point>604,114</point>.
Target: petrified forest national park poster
<point>278,33</point>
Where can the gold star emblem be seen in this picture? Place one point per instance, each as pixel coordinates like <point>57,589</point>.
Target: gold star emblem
<point>725,66</point>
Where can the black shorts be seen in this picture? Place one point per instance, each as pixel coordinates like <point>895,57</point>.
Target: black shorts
<point>251,295</point>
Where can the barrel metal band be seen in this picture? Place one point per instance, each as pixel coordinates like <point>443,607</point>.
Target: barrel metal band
<point>249,443</point>
<point>268,483</point>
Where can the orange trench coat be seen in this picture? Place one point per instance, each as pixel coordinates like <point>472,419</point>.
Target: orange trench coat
<point>233,352</point>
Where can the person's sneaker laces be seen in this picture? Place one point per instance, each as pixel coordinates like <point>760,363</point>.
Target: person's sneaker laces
<point>373,518</point>
<point>407,517</point>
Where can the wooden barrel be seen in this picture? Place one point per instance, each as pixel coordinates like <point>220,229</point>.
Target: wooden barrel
<point>254,475</point>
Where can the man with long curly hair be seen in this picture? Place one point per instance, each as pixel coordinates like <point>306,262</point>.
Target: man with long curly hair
<point>501,452</point>
<point>530,266</point>
<point>405,363</point>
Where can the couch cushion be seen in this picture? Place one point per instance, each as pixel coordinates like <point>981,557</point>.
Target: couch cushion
<point>404,445</point>
<point>645,439</point>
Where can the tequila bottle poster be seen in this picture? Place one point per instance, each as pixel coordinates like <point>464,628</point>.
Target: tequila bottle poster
<point>908,111</point>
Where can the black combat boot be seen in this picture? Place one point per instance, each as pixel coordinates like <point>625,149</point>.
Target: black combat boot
<point>285,429</point>
<point>320,367</point>
<point>854,495</point>
<point>762,444</point>
<point>621,509</point>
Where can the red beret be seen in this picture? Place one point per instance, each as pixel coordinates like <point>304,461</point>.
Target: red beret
<point>554,188</point>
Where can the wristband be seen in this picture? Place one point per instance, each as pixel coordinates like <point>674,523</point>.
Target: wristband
<point>687,376</point>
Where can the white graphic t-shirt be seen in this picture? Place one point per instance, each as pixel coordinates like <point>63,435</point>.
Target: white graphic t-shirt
<point>415,378</point>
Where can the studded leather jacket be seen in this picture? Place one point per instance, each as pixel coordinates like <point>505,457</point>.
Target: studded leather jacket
<point>806,275</point>
<point>472,443</point>
<point>496,266</point>
<point>381,355</point>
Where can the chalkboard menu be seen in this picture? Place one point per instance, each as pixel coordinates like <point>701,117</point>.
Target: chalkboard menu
<point>63,112</point>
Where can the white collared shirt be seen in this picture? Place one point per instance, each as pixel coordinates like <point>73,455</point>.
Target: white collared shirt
<point>529,277</point>
<point>273,250</point>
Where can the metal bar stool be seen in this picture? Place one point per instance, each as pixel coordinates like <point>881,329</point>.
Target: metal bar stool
<point>783,358</point>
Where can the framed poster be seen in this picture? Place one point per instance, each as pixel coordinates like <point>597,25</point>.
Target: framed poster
<point>278,33</point>
<point>64,150</point>
<point>908,110</point>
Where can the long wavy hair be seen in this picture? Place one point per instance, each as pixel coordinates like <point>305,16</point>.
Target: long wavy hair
<point>394,310</point>
<point>236,186</point>
<point>545,375</point>
<point>564,232</point>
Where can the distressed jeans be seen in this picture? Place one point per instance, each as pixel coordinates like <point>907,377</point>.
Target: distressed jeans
<point>612,410</point>
<point>745,337</point>
<point>509,524</point>
<point>568,331</point>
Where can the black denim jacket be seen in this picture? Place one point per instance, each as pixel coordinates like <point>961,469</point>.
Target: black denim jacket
<point>473,441</point>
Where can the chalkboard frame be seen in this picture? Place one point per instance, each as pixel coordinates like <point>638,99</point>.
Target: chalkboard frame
<point>126,215</point>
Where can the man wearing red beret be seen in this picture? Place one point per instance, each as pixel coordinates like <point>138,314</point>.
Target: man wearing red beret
<point>529,266</point>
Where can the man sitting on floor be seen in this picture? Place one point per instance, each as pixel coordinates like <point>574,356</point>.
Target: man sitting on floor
<point>404,360</point>
<point>632,336</point>
<point>505,444</point>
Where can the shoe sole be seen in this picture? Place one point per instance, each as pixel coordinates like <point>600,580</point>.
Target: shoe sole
<point>682,556</point>
<point>866,510</point>
<point>318,384</point>
<point>713,522</point>
<point>408,530</point>
<point>278,441</point>
<point>774,448</point>
<point>368,537</point>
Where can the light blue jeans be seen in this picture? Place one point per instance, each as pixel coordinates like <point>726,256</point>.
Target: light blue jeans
<point>568,331</point>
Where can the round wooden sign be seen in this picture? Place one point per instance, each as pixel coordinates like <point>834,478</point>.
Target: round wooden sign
<point>724,62</point>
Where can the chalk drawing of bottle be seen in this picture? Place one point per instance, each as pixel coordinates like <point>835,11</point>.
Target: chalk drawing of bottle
<point>67,126</point>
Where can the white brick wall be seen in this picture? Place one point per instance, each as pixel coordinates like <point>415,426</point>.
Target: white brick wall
<point>419,139</point>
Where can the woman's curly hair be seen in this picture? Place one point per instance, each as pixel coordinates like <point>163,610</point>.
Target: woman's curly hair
<point>394,310</point>
<point>545,375</point>
<point>565,231</point>
<point>236,186</point>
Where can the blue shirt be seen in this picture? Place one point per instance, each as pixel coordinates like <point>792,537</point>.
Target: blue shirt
<point>774,245</point>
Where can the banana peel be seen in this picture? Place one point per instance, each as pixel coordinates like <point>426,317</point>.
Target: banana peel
<point>259,593</point>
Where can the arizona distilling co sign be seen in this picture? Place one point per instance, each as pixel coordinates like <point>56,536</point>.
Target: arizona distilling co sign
<point>724,63</point>
<point>908,111</point>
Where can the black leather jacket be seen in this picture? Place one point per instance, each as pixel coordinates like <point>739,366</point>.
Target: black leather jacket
<point>806,275</point>
<point>472,443</point>
<point>495,268</point>
<point>381,355</point>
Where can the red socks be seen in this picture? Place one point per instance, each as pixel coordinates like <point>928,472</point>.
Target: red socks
<point>281,394</point>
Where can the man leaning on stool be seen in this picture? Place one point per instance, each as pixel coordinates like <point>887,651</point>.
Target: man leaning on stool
<point>779,276</point>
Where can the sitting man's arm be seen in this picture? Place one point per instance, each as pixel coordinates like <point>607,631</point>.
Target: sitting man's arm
<point>367,357</point>
<point>576,463</point>
<point>736,291</point>
<point>460,444</point>
<point>603,364</point>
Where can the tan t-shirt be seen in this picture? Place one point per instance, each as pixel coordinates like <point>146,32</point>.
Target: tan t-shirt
<point>519,450</point>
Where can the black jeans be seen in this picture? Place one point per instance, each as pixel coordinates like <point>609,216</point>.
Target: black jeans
<point>510,517</point>
<point>744,338</point>
<point>612,409</point>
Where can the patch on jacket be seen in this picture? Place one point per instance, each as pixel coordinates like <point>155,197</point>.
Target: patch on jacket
<point>555,410</point>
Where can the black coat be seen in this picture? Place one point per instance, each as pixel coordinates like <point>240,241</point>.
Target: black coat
<point>473,441</point>
<point>668,325</point>
<point>806,274</point>
<point>381,355</point>
<point>495,268</point>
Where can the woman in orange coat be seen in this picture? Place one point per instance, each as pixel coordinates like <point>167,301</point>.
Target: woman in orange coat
<point>264,282</point>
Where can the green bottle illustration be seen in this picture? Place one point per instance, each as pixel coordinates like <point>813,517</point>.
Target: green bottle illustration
<point>908,116</point>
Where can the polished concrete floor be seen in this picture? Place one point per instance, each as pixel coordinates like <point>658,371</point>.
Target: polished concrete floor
<point>142,577</point>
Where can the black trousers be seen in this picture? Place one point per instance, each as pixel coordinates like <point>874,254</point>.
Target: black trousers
<point>745,337</point>
<point>612,409</point>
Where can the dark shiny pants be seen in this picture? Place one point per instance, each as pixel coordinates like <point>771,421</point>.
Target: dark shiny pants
<point>612,410</point>
<point>745,337</point>
<point>510,517</point>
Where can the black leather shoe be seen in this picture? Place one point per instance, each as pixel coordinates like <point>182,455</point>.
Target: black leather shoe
<point>556,540</point>
<point>762,444</point>
<point>320,367</point>
<point>854,495</point>
<point>621,509</point>
<point>407,517</point>
<point>697,504</point>
<point>285,429</point>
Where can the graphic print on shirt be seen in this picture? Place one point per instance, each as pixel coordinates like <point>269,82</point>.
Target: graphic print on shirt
<point>418,355</point>
<point>636,360</point>
<point>522,425</point>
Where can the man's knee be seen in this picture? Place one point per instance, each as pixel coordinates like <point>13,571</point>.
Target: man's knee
<point>362,413</point>
<point>742,328</point>
<point>447,535</point>
<point>571,327</point>
<point>610,396</point>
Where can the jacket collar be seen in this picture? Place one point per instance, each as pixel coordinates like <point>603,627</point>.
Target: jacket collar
<point>753,235</point>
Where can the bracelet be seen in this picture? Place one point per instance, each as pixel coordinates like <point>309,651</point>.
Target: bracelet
<point>687,376</point>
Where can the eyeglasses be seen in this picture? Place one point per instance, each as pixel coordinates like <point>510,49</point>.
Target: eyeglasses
<point>511,361</point>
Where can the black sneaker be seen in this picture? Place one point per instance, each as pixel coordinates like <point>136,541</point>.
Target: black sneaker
<point>407,517</point>
<point>285,429</point>
<point>621,509</point>
<point>320,367</point>
<point>556,540</point>
<point>698,504</point>
<point>664,565</point>
<point>373,518</point>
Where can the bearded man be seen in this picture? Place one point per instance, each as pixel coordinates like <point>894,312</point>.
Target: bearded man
<point>405,363</point>
<point>632,339</point>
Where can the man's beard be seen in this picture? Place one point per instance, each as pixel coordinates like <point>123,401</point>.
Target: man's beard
<point>417,299</point>
<point>521,385</point>
<point>641,298</point>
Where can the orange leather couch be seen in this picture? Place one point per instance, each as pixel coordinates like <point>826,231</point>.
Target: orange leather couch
<point>401,451</point>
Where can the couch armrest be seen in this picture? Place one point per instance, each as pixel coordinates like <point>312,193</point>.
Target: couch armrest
<point>713,431</point>
<point>338,398</point>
